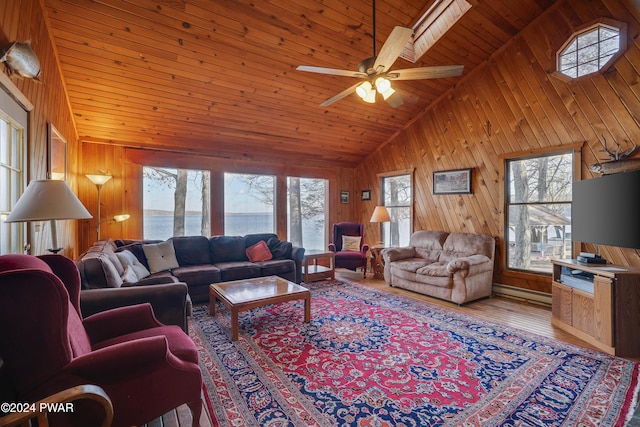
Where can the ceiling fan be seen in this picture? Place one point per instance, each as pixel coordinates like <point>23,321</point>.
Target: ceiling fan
<point>376,70</point>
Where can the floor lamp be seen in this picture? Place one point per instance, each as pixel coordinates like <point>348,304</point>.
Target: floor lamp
<point>380,214</point>
<point>48,200</point>
<point>99,181</point>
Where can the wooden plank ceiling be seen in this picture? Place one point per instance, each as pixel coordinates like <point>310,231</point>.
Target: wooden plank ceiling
<point>219,76</point>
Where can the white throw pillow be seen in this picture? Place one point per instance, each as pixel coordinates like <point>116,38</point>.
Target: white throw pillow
<point>129,276</point>
<point>128,259</point>
<point>351,243</point>
<point>160,256</point>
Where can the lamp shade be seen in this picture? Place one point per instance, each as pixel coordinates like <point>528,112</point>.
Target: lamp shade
<point>98,179</point>
<point>45,200</point>
<point>380,214</point>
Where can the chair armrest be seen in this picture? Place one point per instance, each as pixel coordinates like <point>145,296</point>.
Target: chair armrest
<point>332,247</point>
<point>119,359</point>
<point>365,249</point>
<point>120,321</point>
<point>169,301</point>
<point>395,254</point>
<point>470,264</point>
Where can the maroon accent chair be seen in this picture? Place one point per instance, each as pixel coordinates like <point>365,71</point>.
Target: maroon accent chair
<point>146,368</point>
<point>349,259</point>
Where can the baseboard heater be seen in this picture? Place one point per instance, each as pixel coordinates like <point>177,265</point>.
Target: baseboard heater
<point>529,295</point>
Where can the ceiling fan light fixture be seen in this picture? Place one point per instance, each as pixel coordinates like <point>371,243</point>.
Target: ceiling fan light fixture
<point>364,90</point>
<point>382,84</point>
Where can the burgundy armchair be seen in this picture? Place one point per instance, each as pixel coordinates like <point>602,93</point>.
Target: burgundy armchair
<point>146,368</point>
<point>349,259</point>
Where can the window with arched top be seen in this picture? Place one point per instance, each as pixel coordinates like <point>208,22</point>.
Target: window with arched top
<point>591,49</point>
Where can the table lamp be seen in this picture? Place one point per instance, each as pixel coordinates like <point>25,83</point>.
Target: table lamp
<point>48,200</point>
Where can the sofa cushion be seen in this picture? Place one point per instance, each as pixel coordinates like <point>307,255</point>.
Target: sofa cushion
<point>191,250</point>
<point>129,260</point>
<point>204,274</point>
<point>435,269</point>
<point>277,267</point>
<point>411,264</point>
<point>160,256</point>
<point>107,248</point>
<point>227,249</point>
<point>252,239</point>
<point>237,270</point>
<point>439,281</point>
<point>464,244</point>
<point>280,249</point>
<point>259,252</point>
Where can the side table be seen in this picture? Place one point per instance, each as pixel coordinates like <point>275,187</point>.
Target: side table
<point>377,262</point>
<point>318,265</point>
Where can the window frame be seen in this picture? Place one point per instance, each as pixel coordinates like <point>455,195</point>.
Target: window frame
<point>621,27</point>
<point>575,151</point>
<point>382,177</point>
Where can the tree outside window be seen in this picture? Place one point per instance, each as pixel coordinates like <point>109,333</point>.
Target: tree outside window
<point>397,195</point>
<point>538,211</point>
<point>307,212</point>
<point>175,202</point>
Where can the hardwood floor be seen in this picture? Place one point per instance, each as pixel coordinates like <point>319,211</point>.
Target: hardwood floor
<point>507,311</point>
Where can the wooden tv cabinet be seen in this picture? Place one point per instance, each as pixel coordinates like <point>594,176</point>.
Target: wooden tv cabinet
<point>603,309</point>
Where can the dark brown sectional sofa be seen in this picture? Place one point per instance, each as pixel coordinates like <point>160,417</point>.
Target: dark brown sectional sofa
<point>201,261</point>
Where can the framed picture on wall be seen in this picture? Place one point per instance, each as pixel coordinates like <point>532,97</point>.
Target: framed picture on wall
<point>366,194</point>
<point>452,182</point>
<point>344,197</point>
<point>56,154</point>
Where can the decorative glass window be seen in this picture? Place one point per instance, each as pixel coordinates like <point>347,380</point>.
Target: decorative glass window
<point>591,49</point>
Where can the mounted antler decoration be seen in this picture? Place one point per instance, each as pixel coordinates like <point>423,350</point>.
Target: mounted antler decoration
<point>620,161</point>
<point>22,60</point>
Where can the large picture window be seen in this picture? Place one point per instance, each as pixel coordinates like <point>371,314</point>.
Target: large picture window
<point>176,203</point>
<point>248,204</point>
<point>307,212</point>
<point>538,213</point>
<point>397,193</point>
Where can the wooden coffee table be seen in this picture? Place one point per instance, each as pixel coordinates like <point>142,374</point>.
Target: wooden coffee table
<point>243,295</point>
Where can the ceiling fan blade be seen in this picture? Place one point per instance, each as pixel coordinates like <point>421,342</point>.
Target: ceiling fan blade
<point>392,48</point>
<point>338,97</point>
<point>426,72</point>
<point>332,71</point>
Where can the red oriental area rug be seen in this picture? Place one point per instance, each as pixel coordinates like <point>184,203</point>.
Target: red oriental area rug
<point>373,358</point>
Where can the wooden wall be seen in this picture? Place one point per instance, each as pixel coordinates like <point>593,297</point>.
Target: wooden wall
<point>513,105</point>
<point>123,194</point>
<point>23,20</point>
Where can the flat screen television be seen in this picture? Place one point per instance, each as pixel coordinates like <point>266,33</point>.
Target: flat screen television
<point>606,210</point>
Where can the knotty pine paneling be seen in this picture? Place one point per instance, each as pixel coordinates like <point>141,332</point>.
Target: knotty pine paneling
<point>24,20</point>
<point>512,104</point>
<point>124,193</point>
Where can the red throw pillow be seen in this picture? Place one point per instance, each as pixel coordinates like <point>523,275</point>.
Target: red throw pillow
<point>259,252</point>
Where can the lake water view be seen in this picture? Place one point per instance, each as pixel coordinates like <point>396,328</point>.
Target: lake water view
<point>160,227</point>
